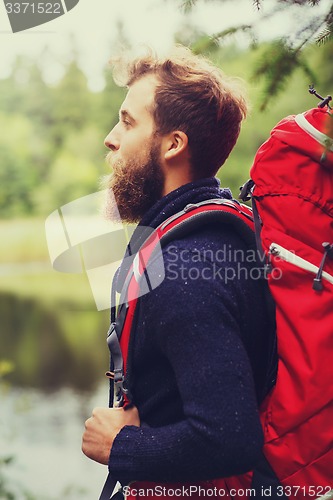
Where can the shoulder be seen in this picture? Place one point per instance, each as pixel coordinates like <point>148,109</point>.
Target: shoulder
<point>212,262</point>
<point>215,243</point>
<point>212,228</point>
<point>213,266</point>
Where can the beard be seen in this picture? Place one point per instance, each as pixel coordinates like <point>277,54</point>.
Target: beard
<point>134,187</point>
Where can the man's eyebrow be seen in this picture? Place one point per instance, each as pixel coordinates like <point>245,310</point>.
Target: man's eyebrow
<point>123,113</point>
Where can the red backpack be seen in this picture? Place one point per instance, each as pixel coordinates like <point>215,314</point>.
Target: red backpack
<point>292,189</point>
<point>292,193</point>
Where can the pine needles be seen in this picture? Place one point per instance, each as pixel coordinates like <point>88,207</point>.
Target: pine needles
<point>283,56</point>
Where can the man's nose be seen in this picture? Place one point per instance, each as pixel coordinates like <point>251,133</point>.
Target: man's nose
<point>111,141</point>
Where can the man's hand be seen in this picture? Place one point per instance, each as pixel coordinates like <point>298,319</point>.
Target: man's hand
<point>102,428</point>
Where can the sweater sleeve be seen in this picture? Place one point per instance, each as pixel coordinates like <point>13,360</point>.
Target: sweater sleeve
<point>195,323</point>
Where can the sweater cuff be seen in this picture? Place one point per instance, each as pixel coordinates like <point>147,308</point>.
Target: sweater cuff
<point>122,456</point>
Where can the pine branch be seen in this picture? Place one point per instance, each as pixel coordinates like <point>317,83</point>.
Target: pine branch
<point>209,43</point>
<point>275,67</point>
<point>232,31</point>
<point>312,3</point>
<point>327,33</point>
<point>204,44</point>
<point>312,77</point>
<point>293,2</point>
<point>187,5</point>
<point>308,32</point>
<point>324,36</point>
<point>283,57</point>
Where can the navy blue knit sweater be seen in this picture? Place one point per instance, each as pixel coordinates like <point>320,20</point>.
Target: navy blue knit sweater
<point>198,356</point>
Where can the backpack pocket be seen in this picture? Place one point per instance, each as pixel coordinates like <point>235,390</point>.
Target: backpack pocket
<point>282,253</point>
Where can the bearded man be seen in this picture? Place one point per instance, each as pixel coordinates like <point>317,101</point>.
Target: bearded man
<point>200,349</point>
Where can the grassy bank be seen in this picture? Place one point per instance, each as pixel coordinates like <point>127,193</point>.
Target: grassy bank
<point>26,271</point>
<point>23,240</point>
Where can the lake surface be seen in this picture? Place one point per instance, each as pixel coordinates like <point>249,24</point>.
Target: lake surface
<point>58,351</point>
<point>43,432</point>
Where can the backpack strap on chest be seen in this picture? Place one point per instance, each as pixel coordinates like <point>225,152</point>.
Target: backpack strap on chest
<point>183,223</point>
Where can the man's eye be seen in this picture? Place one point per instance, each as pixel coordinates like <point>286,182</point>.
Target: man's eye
<point>126,123</point>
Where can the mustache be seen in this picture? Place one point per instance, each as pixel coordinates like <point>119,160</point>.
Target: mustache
<point>114,163</point>
<point>109,157</point>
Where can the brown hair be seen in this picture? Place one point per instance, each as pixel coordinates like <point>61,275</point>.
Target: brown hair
<point>195,97</point>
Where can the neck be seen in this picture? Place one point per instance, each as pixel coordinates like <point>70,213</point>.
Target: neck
<point>176,178</point>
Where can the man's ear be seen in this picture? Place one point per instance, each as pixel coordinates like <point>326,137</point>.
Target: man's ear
<point>176,143</point>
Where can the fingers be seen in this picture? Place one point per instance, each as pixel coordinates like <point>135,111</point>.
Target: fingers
<point>102,428</point>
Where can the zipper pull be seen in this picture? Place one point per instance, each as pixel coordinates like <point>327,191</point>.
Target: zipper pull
<point>328,251</point>
<point>273,250</point>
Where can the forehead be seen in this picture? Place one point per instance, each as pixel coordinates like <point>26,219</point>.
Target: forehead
<point>140,97</point>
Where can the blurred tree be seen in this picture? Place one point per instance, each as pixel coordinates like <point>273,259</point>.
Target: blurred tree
<point>69,178</point>
<point>71,103</point>
<point>283,56</point>
<point>109,103</point>
<point>18,145</point>
<point>13,88</point>
<point>255,130</point>
<point>52,136</point>
<point>25,93</point>
<point>110,99</point>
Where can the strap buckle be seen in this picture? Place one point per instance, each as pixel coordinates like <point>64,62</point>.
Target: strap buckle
<point>118,389</point>
<point>246,190</point>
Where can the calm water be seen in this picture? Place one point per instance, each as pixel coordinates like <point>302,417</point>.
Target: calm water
<point>44,432</point>
<point>59,357</point>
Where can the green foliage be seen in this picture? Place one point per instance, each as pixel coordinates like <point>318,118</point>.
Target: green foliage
<point>17,174</point>
<point>187,5</point>
<point>6,367</point>
<point>278,62</point>
<point>326,34</point>
<point>71,103</point>
<point>207,43</point>
<point>51,138</point>
<point>284,56</point>
<point>294,99</point>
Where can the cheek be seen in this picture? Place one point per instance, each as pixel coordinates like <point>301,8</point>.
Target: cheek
<point>135,147</point>
<point>127,146</point>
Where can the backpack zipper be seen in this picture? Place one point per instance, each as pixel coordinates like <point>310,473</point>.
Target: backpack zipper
<point>296,260</point>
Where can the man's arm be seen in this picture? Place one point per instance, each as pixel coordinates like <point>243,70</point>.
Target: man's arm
<point>196,325</point>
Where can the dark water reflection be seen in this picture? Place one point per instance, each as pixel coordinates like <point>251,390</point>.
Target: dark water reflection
<point>53,347</point>
<point>59,358</point>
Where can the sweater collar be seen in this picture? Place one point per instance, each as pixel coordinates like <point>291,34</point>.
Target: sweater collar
<point>173,202</point>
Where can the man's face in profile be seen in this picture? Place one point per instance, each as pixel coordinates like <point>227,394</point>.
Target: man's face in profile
<point>137,180</point>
